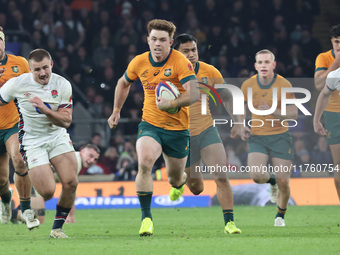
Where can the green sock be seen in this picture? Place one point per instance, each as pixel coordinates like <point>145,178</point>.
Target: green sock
<point>281,212</point>
<point>6,198</point>
<point>272,179</point>
<point>25,204</point>
<point>228,216</point>
<point>145,203</point>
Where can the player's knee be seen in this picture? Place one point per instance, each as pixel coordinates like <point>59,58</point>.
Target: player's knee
<point>283,183</point>
<point>47,195</point>
<point>71,185</point>
<point>19,164</point>
<point>145,165</point>
<point>175,182</point>
<point>196,190</point>
<point>259,179</point>
<point>3,181</point>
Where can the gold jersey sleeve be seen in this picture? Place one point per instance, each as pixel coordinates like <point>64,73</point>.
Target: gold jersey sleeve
<point>176,69</point>
<point>14,66</point>
<point>268,124</point>
<point>323,62</point>
<point>207,75</point>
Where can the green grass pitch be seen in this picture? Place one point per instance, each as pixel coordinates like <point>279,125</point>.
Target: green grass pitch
<point>309,230</point>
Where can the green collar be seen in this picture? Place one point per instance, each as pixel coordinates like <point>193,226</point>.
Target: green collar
<point>266,86</point>
<point>197,67</point>
<point>158,64</point>
<point>4,61</point>
<point>333,53</point>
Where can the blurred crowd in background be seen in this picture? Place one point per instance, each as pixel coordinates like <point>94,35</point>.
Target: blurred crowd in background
<point>92,42</point>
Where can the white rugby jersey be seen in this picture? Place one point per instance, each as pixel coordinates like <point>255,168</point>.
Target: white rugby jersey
<point>35,127</point>
<point>333,80</point>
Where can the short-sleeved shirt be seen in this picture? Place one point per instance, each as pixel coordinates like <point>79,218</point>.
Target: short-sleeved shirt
<point>206,75</point>
<point>35,127</point>
<point>176,69</point>
<point>14,66</point>
<point>333,80</point>
<point>323,62</point>
<point>265,93</point>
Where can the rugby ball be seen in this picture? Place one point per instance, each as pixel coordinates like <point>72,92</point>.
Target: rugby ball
<point>167,90</point>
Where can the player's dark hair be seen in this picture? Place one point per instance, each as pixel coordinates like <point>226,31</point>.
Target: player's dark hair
<point>335,31</point>
<point>181,39</point>
<point>162,25</point>
<point>92,146</point>
<point>38,55</point>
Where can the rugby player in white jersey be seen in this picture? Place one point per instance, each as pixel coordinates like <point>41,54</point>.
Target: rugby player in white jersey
<point>45,111</point>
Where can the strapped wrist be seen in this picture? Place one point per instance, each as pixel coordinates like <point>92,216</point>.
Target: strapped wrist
<point>116,109</point>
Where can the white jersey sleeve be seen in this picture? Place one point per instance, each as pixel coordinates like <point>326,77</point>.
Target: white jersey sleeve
<point>8,91</point>
<point>333,80</point>
<point>66,96</point>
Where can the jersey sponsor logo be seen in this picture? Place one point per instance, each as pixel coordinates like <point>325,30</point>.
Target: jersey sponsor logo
<point>15,69</point>
<point>167,72</point>
<point>144,74</point>
<point>149,86</point>
<point>54,93</point>
<point>27,95</point>
<point>204,80</point>
<point>190,67</point>
<point>156,73</point>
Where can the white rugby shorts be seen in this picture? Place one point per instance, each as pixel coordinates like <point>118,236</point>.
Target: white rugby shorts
<point>41,155</point>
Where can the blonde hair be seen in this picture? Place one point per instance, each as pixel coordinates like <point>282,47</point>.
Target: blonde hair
<point>162,25</point>
<point>265,51</point>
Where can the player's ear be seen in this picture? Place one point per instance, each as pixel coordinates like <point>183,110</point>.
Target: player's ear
<point>274,65</point>
<point>51,63</point>
<point>171,41</point>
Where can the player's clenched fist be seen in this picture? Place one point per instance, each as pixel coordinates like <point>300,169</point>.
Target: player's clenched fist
<point>113,120</point>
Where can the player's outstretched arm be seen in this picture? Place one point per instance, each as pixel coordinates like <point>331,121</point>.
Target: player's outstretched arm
<point>60,118</point>
<point>121,93</point>
<point>321,104</point>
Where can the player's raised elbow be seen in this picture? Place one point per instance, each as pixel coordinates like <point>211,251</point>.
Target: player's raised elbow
<point>67,124</point>
<point>68,121</point>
